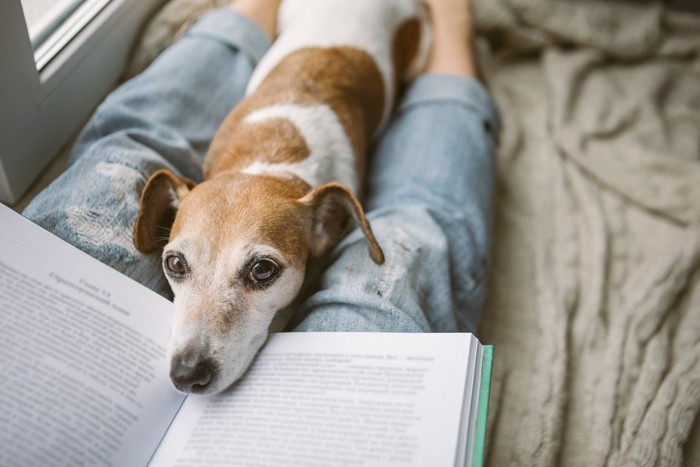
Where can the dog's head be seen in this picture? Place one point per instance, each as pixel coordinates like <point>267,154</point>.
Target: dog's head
<point>236,254</point>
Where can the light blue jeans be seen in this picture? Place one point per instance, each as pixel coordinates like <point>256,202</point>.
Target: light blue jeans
<point>428,191</point>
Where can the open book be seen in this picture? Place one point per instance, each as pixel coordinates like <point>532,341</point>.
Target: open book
<point>85,381</point>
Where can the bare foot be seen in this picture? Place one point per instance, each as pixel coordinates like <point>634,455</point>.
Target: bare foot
<point>263,12</point>
<point>452,38</point>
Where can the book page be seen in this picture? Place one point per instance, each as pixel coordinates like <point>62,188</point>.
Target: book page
<point>331,399</point>
<point>82,355</point>
<point>473,403</point>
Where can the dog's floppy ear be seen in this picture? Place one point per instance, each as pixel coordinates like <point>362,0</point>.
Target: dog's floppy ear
<point>333,205</point>
<point>160,201</point>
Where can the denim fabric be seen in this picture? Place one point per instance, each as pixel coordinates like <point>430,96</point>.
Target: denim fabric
<point>163,118</point>
<point>428,191</point>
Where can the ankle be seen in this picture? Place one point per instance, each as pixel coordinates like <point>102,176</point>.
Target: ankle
<point>262,12</point>
<point>452,51</point>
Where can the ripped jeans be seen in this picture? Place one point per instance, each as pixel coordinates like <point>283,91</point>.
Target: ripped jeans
<point>428,190</point>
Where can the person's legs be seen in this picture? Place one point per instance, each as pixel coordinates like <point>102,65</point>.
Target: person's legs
<point>429,200</point>
<point>163,118</point>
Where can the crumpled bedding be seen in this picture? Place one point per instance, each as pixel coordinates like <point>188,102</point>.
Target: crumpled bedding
<point>594,298</point>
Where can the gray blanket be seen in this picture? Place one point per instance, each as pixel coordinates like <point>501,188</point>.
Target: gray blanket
<point>594,300</point>
<point>594,303</point>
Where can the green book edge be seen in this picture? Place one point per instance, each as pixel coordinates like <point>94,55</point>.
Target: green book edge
<point>483,411</point>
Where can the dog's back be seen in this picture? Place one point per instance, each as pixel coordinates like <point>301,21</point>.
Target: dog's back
<point>333,72</point>
<point>364,25</point>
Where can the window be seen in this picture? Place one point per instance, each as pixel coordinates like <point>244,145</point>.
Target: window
<point>56,67</point>
<point>53,23</point>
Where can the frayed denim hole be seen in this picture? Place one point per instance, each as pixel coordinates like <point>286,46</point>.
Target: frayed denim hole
<point>400,251</point>
<point>108,220</point>
<point>475,280</point>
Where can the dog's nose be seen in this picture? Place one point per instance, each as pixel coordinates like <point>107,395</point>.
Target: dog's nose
<point>191,375</point>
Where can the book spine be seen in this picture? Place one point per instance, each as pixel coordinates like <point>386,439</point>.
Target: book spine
<point>483,411</point>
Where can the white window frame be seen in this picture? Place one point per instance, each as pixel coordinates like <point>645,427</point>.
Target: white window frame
<point>41,110</point>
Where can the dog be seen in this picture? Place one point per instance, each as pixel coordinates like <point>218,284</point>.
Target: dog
<point>281,179</point>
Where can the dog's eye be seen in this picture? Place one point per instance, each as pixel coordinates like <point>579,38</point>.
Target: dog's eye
<point>263,271</point>
<point>175,265</point>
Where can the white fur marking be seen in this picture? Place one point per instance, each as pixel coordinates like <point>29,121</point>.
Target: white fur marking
<point>331,157</point>
<point>328,23</point>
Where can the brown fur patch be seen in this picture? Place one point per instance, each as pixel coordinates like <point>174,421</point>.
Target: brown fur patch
<point>405,48</point>
<point>333,204</point>
<point>274,140</point>
<point>345,78</point>
<point>157,209</point>
<point>245,206</point>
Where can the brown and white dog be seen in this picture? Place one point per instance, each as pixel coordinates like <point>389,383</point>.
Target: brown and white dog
<point>280,179</point>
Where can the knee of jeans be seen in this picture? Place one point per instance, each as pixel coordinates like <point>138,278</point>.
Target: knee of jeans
<point>93,208</point>
<point>358,295</point>
<point>446,234</point>
<point>413,244</point>
<point>408,230</point>
<point>457,248</point>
